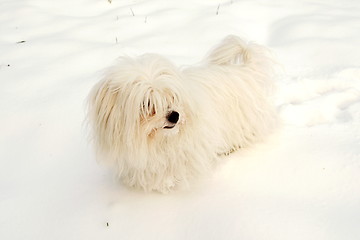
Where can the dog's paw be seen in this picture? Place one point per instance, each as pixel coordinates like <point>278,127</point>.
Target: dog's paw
<point>167,186</point>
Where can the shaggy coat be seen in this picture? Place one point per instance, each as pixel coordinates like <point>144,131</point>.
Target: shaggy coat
<point>160,126</point>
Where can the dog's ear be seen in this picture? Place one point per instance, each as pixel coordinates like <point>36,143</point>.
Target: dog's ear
<point>101,111</point>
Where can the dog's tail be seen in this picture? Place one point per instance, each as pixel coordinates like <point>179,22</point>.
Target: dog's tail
<point>235,51</point>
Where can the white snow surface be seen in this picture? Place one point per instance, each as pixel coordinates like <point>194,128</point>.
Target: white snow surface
<point>303,182</point>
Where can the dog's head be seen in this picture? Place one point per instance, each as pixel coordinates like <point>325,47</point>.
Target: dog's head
<point>161,111</point>
<point>138,101</point>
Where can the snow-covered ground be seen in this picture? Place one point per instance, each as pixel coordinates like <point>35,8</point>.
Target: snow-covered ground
<point>302,183</point>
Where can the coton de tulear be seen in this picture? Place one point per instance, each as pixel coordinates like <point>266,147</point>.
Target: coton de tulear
<point>161,126</point>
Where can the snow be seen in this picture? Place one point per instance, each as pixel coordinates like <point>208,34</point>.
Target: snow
<point>302,183</point>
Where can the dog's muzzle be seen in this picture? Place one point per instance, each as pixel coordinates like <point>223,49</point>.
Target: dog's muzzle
<point>172,118</point>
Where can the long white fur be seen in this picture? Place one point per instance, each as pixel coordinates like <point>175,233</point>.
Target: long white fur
<point>223,104</point>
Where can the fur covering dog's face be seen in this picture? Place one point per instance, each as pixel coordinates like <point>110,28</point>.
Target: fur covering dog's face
<point>146,102</point>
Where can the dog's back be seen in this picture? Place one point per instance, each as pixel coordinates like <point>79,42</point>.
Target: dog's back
<point>237,78</point>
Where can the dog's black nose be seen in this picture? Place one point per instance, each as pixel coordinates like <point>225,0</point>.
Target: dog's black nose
<point>173,117</point>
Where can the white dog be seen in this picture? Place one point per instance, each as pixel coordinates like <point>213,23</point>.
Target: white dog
<point>161,126</point>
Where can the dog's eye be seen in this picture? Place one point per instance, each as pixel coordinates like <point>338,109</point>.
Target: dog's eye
<point>148,109</point>
<point>152,111</point>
